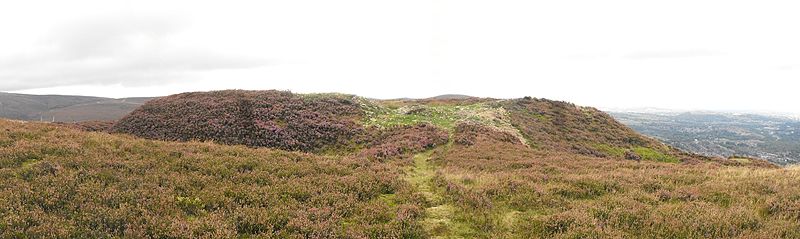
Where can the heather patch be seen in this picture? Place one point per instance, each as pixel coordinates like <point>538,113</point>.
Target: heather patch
<point>275,119</point>
<point>90,185</point>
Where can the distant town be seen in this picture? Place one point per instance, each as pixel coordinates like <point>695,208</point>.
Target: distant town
<point>772,137</point>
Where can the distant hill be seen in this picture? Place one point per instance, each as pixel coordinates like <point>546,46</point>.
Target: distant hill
<point>65,108</point>
<point>451,97</point>
<point>776,139</point>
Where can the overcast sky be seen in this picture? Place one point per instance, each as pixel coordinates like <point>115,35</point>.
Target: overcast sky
<point>696,54</point>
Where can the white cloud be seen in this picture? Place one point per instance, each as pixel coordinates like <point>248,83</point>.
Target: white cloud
<point>644,55</point>
<point>620,53</point>
<point>131,51</point>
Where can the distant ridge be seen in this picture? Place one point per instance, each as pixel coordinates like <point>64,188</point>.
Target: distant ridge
<point>66,108</point>
<point>451,97</point>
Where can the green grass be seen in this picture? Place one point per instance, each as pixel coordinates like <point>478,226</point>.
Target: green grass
<point>445,116</point>
<point>420,176</point>
<point>389,199</point>
<point>441,217</point>
<point>385,117</point>
<point>645,152</point>
<point>654,155</point>
<point>611,150</point>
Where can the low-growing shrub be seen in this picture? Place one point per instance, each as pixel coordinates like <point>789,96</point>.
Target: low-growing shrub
<point>91,126</point>
<point>275,119</point>
<point>469,133</point>
<point>402,140</point>
<point>564,126</point>
<point>119,186</point>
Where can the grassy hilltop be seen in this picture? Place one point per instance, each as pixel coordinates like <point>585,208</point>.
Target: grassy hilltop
<point>280,165</point>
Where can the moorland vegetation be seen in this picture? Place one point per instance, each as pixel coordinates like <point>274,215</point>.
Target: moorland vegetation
<point>281,165</point>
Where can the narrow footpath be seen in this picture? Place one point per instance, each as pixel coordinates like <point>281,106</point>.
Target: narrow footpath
<point>439,221</point>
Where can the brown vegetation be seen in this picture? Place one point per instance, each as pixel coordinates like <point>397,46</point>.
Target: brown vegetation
<point>502,189</point>
<point>63,183</point>
<point>90,126</point>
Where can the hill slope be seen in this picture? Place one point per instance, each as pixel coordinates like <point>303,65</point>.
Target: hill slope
<point>63,108</point>
<point>471,168</point>
<point>566,127</point>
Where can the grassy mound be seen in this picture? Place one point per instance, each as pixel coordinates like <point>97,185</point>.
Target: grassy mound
<point>275,119</point>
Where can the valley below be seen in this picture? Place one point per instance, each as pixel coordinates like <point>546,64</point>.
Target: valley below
<point>773,138</point>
